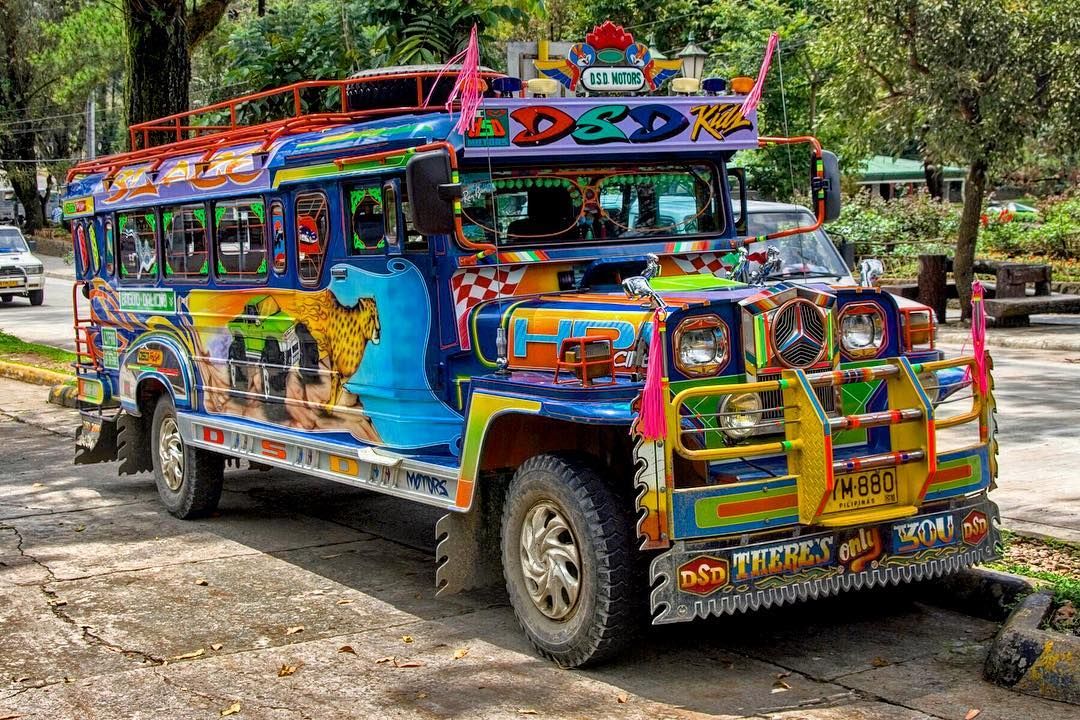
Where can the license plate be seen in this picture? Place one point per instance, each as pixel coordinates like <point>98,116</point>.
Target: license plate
<point>865,489</point>
<point>10,283</point>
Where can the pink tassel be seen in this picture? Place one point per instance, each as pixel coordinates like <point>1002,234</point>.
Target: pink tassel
<point>652,419</point>
<point>469,88</point>
<point>978,336</point>
<point>754,96</point>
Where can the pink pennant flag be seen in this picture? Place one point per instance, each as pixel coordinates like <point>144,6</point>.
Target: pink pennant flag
<point>652,419</point>
<point>754,96</point>
<point>978,336</point>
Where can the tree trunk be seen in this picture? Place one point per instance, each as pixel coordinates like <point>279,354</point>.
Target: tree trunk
<point>24,183</point>
<point>158,64</point>
<point>964,259</point>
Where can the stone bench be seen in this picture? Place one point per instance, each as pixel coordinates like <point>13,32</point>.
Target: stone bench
<point>1017,311</point>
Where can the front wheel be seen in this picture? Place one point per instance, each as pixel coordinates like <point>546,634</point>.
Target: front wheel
<point>37,297</point>
<point>188,479</point>
<point>7,298</point>
<point>568,560</point>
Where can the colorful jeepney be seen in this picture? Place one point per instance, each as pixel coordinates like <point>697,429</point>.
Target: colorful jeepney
<point>474,321</point>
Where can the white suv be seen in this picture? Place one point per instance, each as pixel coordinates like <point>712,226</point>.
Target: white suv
<point>20,272</point>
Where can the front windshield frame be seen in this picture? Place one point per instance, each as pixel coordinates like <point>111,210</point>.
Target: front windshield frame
<point>828,261</point>
<point>712,210</point>
<point>12,241</point>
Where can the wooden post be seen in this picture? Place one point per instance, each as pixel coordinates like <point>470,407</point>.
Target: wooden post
<point>933,290</point>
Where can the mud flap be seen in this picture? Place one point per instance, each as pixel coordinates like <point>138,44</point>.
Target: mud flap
<point>133,444</point>
<point>468,552</point>
<point>95,441</point>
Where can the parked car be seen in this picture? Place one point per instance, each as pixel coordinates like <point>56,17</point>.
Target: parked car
<point>21,273</point>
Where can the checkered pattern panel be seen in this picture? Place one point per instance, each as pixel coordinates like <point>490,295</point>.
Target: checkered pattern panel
<point>472,286</point>
<point>711,263</point>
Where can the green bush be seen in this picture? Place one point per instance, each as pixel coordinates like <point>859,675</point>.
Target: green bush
<point>1055,235</point>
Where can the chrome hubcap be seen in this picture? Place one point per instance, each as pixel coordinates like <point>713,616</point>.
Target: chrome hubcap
<point>550,561</point>
<point>171,454</point>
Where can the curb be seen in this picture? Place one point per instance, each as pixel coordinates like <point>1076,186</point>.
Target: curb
<point>989,594</point>
<point>1032,661</point>
<point>1023,342</point>
<point>33,375</point>
<point>59,276</point>
<point>64,396</point>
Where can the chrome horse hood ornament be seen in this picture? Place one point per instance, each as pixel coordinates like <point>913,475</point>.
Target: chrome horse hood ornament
<point>870,271</point>
<point>638,286</point>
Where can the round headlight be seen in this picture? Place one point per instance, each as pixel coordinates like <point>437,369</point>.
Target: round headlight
<point>701,345</point>
<point>862,330</point>
<point>740,414</point>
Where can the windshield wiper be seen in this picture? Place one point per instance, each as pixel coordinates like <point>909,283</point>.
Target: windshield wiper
<point>794,274</point>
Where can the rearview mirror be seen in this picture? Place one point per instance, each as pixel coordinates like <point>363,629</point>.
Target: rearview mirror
<point>829,185</point>
<point>432,191</point>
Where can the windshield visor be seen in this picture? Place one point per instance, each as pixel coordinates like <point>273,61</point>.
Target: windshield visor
<point>537,206</point>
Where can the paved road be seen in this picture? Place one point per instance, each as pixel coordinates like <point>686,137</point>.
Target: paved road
<point>99,586</point>
<point>49,323</point>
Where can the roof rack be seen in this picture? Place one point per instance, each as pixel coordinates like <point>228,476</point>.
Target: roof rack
<point>208,129</point>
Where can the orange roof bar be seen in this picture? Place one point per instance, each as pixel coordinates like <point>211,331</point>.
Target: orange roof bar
<point>212,136</point>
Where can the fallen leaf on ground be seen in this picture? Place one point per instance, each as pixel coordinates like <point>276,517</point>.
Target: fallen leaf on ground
<point>780,686</point>
<point>622,698</point>
<point>527,711</point>
<point>231,710</point>
<point>216,646</point>
<point>460,653</point>
<point>294,630</point>
<point>10,717</point>
<point>191,655</point>
<point>346,649</point>
<point>80,528</point>
<point>286,670</point>
<point>38,485</point>
<point>344,602</point>
<point>58,602</point>
<point>406,638</point>
<point>421,695</point>
<point>880,662</point>
<point>334,555</point>
<point>782,675</point>
<point>408,664</point>
<point>202,582</point>
<point>382,660</point>
<point>972,714</point>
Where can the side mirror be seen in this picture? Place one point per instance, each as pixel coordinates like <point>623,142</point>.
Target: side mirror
<point>31,243</point>
<point>431,192</point>
<point>737,177</point>
<point>829,185</point>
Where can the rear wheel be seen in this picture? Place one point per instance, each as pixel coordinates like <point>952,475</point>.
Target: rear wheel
<point>568,560</point>
<point>37,297</point>
<point>6,298</point>
<point>188,479</point>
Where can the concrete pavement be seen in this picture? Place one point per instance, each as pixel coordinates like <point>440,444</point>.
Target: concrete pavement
<point>111,608</point>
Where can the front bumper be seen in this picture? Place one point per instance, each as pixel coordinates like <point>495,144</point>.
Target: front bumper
<point>19,284</point>
<point>698,579</point>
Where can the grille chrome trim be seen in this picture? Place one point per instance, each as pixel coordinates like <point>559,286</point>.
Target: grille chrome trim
<point>798,333</point>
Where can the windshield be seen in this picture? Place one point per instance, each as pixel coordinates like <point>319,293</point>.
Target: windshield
<point>545,206</point>
<point>11,241</point>
<point>802,255</point>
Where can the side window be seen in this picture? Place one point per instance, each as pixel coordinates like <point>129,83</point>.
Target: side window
<point>390,211</point>
<point>414,241</point>
<point>110,240</point>
<point>240,239</point>
<point>365,203</point>
<point>312,233</point>
<point>277,238</point>
<point>183,231</point>
<point>137,245</point>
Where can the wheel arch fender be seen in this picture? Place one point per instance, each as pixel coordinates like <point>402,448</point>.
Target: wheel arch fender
<point>153,360</point>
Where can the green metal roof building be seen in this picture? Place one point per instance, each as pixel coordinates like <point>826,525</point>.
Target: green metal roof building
<point>889,177</point>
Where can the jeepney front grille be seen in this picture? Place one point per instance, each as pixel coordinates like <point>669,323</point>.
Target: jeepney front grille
<point>772,402</point>
<point>11,270</point>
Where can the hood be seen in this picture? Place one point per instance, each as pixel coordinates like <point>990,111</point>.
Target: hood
<point>18,258</point>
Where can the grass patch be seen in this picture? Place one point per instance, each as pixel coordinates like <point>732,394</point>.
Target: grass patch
<point>12,349</point>
<point>1054,562</point>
